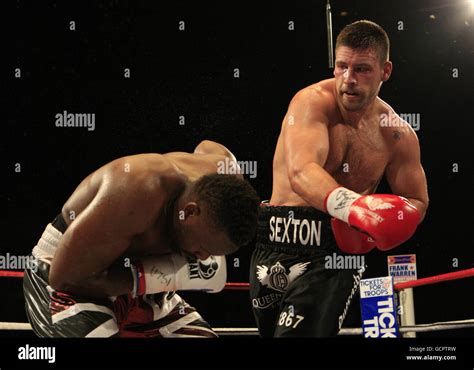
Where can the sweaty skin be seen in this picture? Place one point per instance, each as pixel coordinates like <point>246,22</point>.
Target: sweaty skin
<point>334,135</point>
<point>131,207</point>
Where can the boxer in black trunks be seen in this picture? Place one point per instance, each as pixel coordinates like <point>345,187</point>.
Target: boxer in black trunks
<point>335,145</point>
<point>132,233</point>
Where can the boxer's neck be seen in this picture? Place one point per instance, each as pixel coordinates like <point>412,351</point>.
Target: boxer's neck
<point>181,197</point>
<point>173,214</point>
<point>357,118</point>
<point>177,204</point>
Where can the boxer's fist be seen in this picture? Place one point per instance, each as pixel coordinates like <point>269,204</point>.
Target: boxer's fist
<point>389,219</point>
<point>172,272</point>
<point>350,240</point>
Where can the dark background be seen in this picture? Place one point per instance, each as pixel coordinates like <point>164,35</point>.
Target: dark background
<point>190,74</point>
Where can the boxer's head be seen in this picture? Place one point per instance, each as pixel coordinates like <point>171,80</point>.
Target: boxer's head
<point>362,53</point>
<point>216,215</point>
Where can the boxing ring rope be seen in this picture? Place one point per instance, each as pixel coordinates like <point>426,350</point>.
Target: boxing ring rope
<point>419,328</point>
<point>405,289</point>
<point>404,329</point>
<point>456,275</point>
<point>7,273</point>
<point>446,325</point>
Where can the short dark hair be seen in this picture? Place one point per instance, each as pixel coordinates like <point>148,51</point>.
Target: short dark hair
<point>363,35</point>
<point>232,204</point>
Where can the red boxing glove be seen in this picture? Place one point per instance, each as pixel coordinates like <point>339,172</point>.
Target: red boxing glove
<point>389,219</point>
<point>350,240</point>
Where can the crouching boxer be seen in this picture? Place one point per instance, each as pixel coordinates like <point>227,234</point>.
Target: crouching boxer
<point>334,147</point>
<point>132,234</point>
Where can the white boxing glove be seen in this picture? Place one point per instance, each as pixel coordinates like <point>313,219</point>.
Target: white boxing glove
<point>172,272</point>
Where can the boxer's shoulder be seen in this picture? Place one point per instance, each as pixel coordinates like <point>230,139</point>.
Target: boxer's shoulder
<point>121,175</point>
<point>395,130</point>
<point>141,173</point>
<point>319,94</point>
<point>315,100</point>
<point>138,163</point>
<point>192,166</point>
<point>213,148</point>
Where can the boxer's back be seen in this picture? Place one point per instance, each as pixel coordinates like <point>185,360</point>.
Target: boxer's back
<point>163,174</point>
<point>168,169</point>
<point>101,179</point>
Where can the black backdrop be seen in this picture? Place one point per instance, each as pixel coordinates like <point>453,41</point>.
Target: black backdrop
<point>190,73</point>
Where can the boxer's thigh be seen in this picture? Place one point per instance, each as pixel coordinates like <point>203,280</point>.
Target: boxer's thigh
<point>314,305</point>
<point>165,316</point>
<point>57,314</point>
<point>185,321</point>
<point>265,301</point>
<point>84,319</point>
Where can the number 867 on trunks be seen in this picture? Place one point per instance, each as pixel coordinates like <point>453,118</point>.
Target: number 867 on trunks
<point>378,308</point>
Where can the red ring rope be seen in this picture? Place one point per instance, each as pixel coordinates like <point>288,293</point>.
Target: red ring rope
<point>8,273</point>
<point>237,286</point>
<point>408,284</point>
<point>436,279</point>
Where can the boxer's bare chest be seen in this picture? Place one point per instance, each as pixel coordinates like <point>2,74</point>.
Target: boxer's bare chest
<point>357,157</point>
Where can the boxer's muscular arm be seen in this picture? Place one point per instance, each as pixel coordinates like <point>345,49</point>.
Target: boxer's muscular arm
<point>123,207</point>
<point>211,147</point>
<point>405,174</point>
<point>306,143</point>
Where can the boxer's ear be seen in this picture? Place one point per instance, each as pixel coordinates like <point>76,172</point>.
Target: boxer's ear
<point>387,71</point>
<point>191,209</point>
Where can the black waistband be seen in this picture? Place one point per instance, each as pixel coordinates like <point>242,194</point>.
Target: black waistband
<point>301,227</point>
<point>59,223</point>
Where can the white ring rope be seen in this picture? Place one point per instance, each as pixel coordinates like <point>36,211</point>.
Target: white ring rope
<point>437,326</point>
<point>14,326</point>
